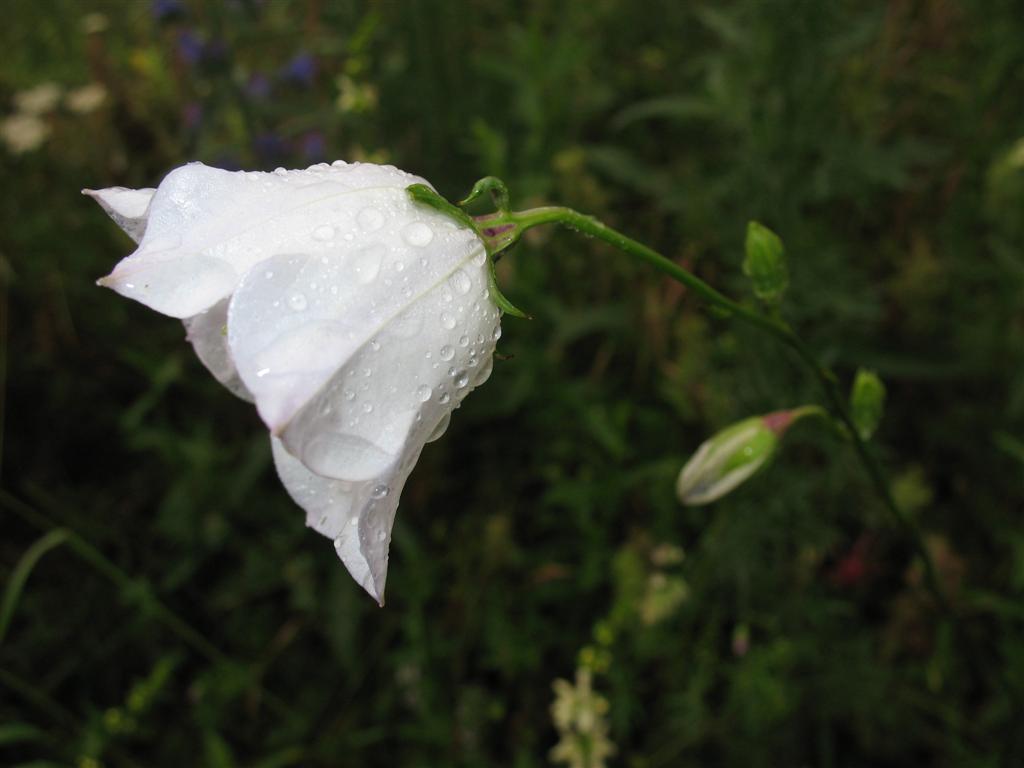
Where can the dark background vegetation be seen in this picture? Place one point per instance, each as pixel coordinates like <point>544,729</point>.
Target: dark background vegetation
<point>185,616</point>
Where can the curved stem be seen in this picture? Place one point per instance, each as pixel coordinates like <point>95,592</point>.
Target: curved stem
<point>775,326</point>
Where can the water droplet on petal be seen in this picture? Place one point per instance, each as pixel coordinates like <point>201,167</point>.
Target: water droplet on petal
<point>444,398</point>
<point>417,233</point>
<point>423,393</point>
<point>323,233</point>
<point>484,373</point>
<point>447,320</point>
<point>464,340</point>
<point>365,263</point>
<point>440,428</point>
<point>461,379</point>
<point>370,219</point>
<point>461,282</point>
<point>447,353</point>
<point>380,491</point>
<point>297,301</point>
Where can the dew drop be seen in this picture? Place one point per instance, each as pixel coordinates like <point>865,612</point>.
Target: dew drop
<point>484,373</point>
<point>444,398</point>
<point>440,427</point>
<point>365,263</point>
<point>417,233</point>
<point>262,372</point>
<point>268,274</point>
<point>423,393</point>
<point>463,340</point>
<point>380,491</point>
<point>496,334</point>
<point>461,282</point>
<point>447,320</point>
<point>447,353</point>
<point>348,394</point>
<point>461,379</point>
<point>297,301</point>
<point>370,219</point>
<point>323,233</point>
<point>367,408</point>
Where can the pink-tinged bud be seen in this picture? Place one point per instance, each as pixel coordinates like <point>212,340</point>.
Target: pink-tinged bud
<point>731,456</point>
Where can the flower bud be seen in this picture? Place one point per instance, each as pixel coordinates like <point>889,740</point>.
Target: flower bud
<point>867,402</point>
<point>765,263</point>
<point>731,456</point>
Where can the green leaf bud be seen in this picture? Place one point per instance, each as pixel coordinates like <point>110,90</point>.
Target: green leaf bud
<point>765,263</point>
<point>867,402</point>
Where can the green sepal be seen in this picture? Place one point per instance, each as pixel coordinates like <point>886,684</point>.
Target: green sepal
<point>867,402</point>
<point>493,185</point>
<point>421,193</point>
<point>504,304</point>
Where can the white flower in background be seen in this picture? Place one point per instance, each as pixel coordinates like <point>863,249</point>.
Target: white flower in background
<point>23,133</point>
<point>355,320</point>
<point>38,100</point>
<point>86,99</point>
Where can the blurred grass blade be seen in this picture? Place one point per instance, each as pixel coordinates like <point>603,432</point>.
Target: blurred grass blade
<point>21,573</point>
<point>16,733</point>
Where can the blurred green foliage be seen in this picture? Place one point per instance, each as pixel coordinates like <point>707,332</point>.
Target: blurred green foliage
<point>185,615</point>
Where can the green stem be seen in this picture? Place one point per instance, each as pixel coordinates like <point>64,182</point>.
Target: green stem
<point>775,326</point>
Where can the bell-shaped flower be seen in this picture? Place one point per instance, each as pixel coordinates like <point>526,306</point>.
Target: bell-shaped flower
<point>356,320</point>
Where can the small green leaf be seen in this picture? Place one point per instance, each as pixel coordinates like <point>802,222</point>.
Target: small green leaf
<point>765,263</point>
<point>867,402</point>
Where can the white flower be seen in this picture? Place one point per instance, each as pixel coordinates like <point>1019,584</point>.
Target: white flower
<point>23,133</point>
<point>86,99</point>
<point>38,100</point>
<point>355,320</point>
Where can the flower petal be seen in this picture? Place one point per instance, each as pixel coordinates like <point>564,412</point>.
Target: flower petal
<point>358,517</point>
<point>208,227</point>
<point>294,321</point>
<point>354,378</point>
<point>127,207</point>
<point>208,332</point>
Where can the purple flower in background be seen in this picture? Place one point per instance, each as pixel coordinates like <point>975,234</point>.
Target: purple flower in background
<point>195,51</point>
<point>167,10</point>
<point>258,86</point>
<point>192,115</point>
<point>190,47</point>
<point>313,146</point>
<point>227,161</point>
<point>300,70</point>
<point>270,148</point>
